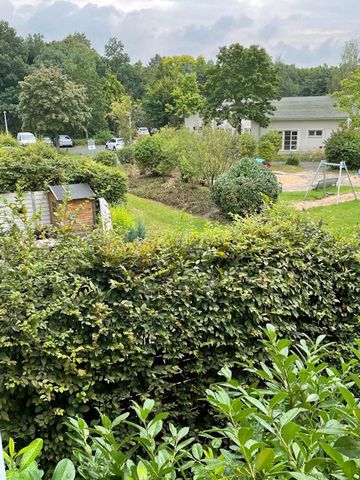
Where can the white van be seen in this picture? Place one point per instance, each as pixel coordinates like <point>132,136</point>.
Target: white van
<point>26,138</point>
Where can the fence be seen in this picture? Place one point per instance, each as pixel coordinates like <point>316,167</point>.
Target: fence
<point>36,207</point>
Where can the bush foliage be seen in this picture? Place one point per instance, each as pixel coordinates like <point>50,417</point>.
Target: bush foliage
<point>247,145</point>
<point>245,188</point>
<point>155,155</point>
<point>269,145</point>
<point>40,165</point>
<point>300,420</point>
<point>106,158</point>
<point>93,322</point>
<point>344,146</point>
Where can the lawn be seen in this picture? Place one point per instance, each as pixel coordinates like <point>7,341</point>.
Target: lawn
<point>343,218</point>
<point>159,218</point>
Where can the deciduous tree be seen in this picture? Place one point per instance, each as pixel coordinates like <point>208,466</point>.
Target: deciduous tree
<point>51,103</point>
<point>242,84</point>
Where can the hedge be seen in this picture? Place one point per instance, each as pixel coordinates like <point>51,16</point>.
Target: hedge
<point>38,166</point>
<point>344,146</point>
<point>94,322</point>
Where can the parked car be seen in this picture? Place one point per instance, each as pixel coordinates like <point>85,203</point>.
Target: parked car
<point>64,141</point>
<point>48,140</point>
<point>26,138</point>
<point>143,131</point>
<point>115,144</point>
<point>153,131</point>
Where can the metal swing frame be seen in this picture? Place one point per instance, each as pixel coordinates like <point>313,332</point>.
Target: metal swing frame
<point>322,165</point>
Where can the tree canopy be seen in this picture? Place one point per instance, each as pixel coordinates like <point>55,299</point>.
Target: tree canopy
<point>51,103</point>
<point>242,84</point>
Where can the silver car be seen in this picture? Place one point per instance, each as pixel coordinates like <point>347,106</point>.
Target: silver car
<point>65,141</point>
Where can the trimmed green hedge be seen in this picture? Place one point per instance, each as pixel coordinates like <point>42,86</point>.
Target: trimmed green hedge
<point>38,166</point>
<point>94,322</point>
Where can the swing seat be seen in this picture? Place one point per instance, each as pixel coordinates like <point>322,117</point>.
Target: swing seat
<point>328,182</point>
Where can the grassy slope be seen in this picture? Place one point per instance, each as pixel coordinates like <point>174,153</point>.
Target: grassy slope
<point>160,218</point>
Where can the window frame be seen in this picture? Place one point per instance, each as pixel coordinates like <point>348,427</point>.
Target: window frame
<point>315,130</point>
<point>291,139</point>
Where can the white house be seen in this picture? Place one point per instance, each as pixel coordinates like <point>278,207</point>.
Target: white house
<point>195,122</point>
<point>305,122</point>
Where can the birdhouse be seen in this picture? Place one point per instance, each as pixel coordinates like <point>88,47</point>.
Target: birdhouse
<point>72,205</point>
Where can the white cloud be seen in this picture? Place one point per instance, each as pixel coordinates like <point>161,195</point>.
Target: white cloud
<point>301,31</point>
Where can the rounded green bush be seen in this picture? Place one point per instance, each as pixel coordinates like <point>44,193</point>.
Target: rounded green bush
<point>245,188</point>
<point>106,158</point>
<point>154,155</point>
<point>344,146</point>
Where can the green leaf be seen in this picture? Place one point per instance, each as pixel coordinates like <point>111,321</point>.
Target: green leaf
<point>290,415</point>
<point>348,396</point>
<point>348,447</point>
<point>264,459</point>
<point>197,451</point>
<point>64,470</point>
<point>30,453</point>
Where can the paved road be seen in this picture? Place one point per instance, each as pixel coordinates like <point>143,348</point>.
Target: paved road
<point>83,150</point>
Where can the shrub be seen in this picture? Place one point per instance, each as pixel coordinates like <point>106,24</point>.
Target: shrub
<point>106,158</point>
<point>122,219</point>
<point>297,417</point>
<point>247,145</point>
<point>7,140</point>
<point>93,322</point>
<point>153,155</point>
<point>269,145</point>
<point>40,165</point>
<point>138,232</point>
<point>126,155</point>
<point>245,188</point>
<point>292,160</point>
<point>344,146</point>
<point>207,154</point>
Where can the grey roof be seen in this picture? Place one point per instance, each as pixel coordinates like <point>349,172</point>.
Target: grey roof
<point>307,108</point>
<point>76,191</point>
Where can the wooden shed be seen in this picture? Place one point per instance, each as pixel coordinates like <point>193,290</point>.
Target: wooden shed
<point>80,206</point>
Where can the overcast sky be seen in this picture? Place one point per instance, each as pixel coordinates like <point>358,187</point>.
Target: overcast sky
<point>304,32</point>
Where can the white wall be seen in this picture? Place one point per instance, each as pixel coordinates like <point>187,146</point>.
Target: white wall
<point>305,143</point>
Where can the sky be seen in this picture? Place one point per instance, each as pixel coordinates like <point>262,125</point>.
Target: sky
<point>304,32</point>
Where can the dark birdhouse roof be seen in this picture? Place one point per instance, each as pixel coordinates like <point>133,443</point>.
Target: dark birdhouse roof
<point>76,191</point>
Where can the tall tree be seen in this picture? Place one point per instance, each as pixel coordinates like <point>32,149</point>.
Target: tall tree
<point>121,115</point>
<point>242,84</point>
<point>350,59</point>
<point>156,102</point>
<point>83,65</point>
<point>51,103</point>
<point>186,98</point>
<point>131,76</point>
<point>348,98</point>
<point>13,68</point>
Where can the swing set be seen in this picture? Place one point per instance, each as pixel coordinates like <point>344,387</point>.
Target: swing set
<point>321,181</point>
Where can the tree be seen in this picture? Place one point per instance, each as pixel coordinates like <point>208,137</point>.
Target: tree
<point>13,68</point>
<point>186,98</point>
<point>51,103</point>
<point>113,90</point>
<point>83,65</point>
<point>348,98</point>
<point>242,84</point>
<point>120,114</point>
<point>157,97</point>
<point>350,59</point>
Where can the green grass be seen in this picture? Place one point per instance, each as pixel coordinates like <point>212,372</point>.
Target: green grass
<point>159,218</point>
<point>282,167</point>
<point>344,217</point>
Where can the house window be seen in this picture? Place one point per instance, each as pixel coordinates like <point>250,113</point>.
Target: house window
<point>315,133</point>
<point>290,140</point>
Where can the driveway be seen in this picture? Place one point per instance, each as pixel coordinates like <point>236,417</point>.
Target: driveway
<point>83,149</point>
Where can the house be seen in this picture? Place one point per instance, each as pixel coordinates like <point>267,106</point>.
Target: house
<point>305,122</point>
<point>195,122</point>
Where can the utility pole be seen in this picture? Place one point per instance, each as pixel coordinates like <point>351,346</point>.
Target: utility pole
<point>6,125</point>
